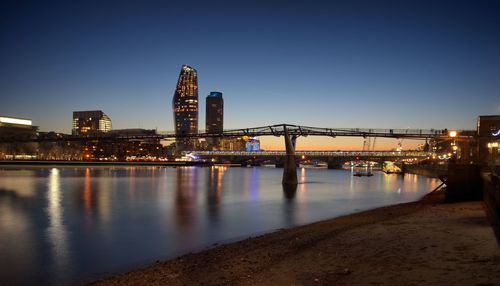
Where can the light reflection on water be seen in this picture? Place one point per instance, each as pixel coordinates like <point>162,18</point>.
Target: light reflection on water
<point>56,230</point>
<point>71,225</point>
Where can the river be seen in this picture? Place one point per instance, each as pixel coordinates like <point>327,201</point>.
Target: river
<point>64,225</point>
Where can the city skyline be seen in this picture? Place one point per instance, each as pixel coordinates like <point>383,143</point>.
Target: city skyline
<point>384,64</point>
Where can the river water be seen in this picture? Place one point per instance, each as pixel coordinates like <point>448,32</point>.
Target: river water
<point>64,225</point>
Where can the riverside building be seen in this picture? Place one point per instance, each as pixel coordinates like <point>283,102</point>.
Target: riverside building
<point>17,128</point>
<point>185,108</point>
<point>214,121</point>
<point>13,128</point>
<point>488,133</point>
<point>90,122</point>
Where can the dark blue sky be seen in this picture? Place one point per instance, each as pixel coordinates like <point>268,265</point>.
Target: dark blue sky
<point>388,64</point>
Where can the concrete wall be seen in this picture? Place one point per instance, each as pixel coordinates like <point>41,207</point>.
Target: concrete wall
<point>491,190</point>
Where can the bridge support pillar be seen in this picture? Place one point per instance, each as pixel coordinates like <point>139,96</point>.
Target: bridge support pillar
<point>290,167</point>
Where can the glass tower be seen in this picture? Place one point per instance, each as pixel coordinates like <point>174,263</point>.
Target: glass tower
<point>214,117</point>
<point>215,112</point>
<point>185,107</point>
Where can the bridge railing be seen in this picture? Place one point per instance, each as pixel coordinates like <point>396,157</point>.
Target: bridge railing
<point>297,130</point>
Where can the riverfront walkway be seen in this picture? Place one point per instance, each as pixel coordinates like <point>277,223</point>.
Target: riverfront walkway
<point>421,243</point>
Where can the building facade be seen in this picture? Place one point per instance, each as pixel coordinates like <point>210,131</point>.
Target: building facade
<point>17,128</point>
<point>90,122</point>
<point>185,108</point>
<point>12,128</point>
<point>133,149</point>
<point>214,121</point>
<point>488,133</point>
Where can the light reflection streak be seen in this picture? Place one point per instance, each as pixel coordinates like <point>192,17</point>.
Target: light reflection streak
<point>302,180</point>
<point>214,193</point>
<point>104,198</point>
<point>87,193</point>
<point>410,183</point>
<point>390,182</point>
<point>254,189</point>
<point>131,188</point>
<point>351,180</point>
<point>56,232</point>
<point>185,203</point>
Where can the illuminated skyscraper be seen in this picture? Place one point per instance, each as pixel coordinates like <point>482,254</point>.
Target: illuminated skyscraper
<point>214,117</point>
<point>185,107</point>
<point>90,122</point>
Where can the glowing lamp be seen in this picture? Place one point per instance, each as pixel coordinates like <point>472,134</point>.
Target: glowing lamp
<point>453,133</point>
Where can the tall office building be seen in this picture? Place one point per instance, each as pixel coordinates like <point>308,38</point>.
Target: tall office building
<point>90,122</point>
<point>214,122</point>
<point>185,107</point>
<point>215,112</point>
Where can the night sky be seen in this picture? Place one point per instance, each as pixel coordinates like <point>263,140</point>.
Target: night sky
<point>380,64</point>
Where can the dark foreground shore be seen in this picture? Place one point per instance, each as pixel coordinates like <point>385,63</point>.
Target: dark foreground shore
<point>421,243</point>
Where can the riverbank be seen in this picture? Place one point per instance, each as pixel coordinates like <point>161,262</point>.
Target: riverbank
<point>420,243</point>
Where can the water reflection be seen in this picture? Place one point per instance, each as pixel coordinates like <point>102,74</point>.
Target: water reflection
<point>64,225</point>
<point>185,199</point>
<point>289,209</point>
<point>87,194</point>
<point>22,182</point>
<point>56,232</point>
<point>214,191</point>
<point>254,185</point>
<point>302,180</point>
<point>18,249</point>
<point>103,192</point>
<point>289,191</point>
<point>131,187</point>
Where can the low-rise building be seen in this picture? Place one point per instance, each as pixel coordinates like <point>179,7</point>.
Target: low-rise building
<point>17,129</point>
<point>488,134</point>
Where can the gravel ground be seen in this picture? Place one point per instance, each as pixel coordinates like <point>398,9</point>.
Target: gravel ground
<point>421,243</point>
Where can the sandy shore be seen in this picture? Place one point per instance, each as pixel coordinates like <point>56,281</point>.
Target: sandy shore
<point>421,243</point>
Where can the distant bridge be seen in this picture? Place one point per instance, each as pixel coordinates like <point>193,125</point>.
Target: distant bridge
<point>314,154</point>
<point>334,159</point>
